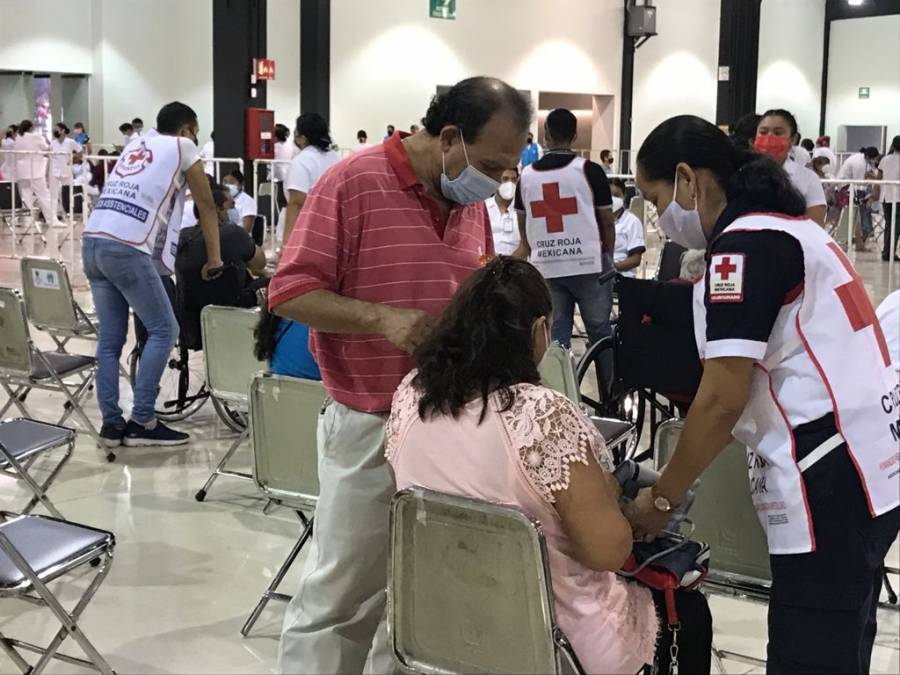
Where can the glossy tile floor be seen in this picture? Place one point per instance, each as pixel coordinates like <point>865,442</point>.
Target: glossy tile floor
<point>186,574</point>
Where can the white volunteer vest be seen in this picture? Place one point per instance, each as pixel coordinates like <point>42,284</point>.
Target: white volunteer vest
<point>832,324</point>
<point>139,198</point>
<point>560,220</point>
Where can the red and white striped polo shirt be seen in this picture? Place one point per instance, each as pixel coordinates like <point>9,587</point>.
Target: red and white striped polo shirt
<point>368,231</point>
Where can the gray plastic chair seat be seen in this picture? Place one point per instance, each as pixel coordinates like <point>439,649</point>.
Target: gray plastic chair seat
<point>50,546</point>
<point>63,364</point>
<point>23,438</point>
<point>613,431</point>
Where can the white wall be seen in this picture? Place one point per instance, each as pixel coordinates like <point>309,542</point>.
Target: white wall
<point>791,37</point>
<point>283,45</point>
<point>140,54</point>
<point>388,57</point>
<point>50,36</point>
<point>153,53</point>
<point>675,73</point>
<point>864,53</point>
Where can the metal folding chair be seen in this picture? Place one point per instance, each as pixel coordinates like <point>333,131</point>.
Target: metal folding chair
<point>557,370</point>
<point>284,414</point>
<point>36,550</point>
<point>469,589</point>
<point>50,303</point>
<point>22,441</point>
<point>230,366</point>
<point>23,367</point>
<point>724,517</point>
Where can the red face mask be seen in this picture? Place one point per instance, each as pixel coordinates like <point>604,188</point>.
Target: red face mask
<point>774,146</point>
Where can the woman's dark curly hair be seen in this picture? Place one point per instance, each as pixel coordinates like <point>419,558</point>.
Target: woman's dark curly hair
<point>483,342</point>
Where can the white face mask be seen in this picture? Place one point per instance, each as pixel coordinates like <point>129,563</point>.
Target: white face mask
<point>682,225</point>
<point>507,191</point>
<point>617,204</point>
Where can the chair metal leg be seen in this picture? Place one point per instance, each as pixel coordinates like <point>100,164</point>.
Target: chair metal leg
<point>16,398</point>
<point>220,469</point>
<point>39,492</point>
<point>69,620</point>
<point>271,592</point>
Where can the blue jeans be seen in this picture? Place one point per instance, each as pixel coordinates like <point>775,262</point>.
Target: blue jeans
<point>594,301</point>
<point>122,277</point>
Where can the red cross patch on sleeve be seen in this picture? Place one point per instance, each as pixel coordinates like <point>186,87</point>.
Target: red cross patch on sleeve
<point>726,277</point>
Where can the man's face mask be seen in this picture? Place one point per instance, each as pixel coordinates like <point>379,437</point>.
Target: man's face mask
<point>470,186</point>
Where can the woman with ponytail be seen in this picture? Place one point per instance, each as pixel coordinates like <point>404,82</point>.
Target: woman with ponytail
<point>796,367</point>
<point>473,420</point>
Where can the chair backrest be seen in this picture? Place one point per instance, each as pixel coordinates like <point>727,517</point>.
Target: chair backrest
<point>284,414</point>
<point>228,350</point>
<point>15,340</point>
<point>637,208</point>
<point>6,198</point>
<point>468,587</point>
<point>49,301</point>
<point>670,261</point>
<point>723,512</point>
<point>557,370</point>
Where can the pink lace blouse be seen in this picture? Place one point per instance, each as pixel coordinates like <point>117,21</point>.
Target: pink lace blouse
<point>522,457</point>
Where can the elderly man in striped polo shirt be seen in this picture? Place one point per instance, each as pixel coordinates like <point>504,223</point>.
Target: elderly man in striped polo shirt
<point>382,243</point>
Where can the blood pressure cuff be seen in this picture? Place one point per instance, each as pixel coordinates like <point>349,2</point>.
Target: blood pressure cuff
<point>655,344</point>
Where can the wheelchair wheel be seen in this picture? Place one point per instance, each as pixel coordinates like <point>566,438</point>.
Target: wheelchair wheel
<point>182,389</point>
<point>628,405</point>
<point>233,419</point>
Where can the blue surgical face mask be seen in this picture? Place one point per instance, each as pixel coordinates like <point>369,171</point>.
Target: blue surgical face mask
<point>232,189</point>
<point>470,186</point>
<point>234,216</point>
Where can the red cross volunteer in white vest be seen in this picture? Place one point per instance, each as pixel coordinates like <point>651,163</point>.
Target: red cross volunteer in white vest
<point>132,237</point>
<point>796,367</point>
<point>567,231</point>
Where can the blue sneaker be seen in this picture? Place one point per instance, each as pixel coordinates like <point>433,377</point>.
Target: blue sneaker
<point>112,434</point>
<point>154,433</point>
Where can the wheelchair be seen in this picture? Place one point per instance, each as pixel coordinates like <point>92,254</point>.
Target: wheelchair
<point>656,366</point>
<point>182,387</point>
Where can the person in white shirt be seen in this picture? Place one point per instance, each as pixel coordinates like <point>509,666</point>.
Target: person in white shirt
<point>800,155</point>
<point>860,166</point>
<point>890,198</point>
<point>314,159</point>
<point>630,245</point>
<point>207,152</point>
<point>504,221</point>
<point>888,314</point>
<point>285,151</point>
<point>131,230</point>
<point>244,203</point>
<point>128,133</point>
<point>138,125</point>
<point>362,141</point>
<point>774,134</point>
<point>8,159</point>
<point>823,149</point>
<point>31,171</point>
<point>63,149</point>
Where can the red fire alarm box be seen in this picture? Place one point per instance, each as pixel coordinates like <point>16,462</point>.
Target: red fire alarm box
<point>259,131</point>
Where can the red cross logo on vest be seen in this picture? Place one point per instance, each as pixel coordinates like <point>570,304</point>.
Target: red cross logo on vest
<point>857,305</point>
<point>553,208</point>
<point>726,268</point>
<point>134,162</point>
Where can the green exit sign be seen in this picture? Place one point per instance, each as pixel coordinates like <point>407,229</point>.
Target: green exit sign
<point>442,9</point>
<point>864,92</point>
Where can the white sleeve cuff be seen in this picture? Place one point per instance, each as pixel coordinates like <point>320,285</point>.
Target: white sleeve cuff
<point>748,349</point>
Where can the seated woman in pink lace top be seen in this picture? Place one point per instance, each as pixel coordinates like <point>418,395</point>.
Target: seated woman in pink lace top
<point>474,421</point>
